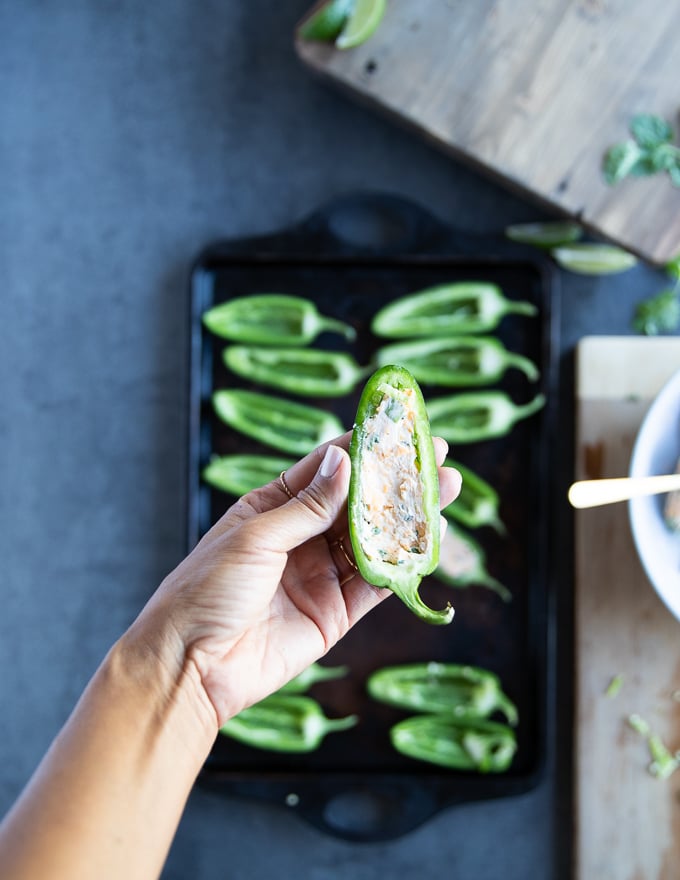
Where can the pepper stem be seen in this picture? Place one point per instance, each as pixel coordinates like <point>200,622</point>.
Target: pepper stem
<point>522,363</point>
<point>331,724</point>
<point>334,326</point>
<point>486,580</point>
<point>520,307</point>
<point>413,601</point>
<point>528,409</point>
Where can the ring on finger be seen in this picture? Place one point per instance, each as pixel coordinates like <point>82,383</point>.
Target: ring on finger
<point>284,485</point>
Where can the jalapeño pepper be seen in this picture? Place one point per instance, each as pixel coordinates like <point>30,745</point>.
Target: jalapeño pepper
<point>478,415</point>
<point>312,675</point>
<point>394,490</point>
<point>308,372</point>
<point>477,504</point>
<point>457,360</point>
<point>460,691</point>
<point>272,319</point>
<point>284,424</point>
<point>485,746</point>
<point>462,563</point>
<point>448,309</point>
<point>240,474</point>
<point>284,723</point>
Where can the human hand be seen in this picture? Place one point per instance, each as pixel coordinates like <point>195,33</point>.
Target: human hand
<point>271,587</point>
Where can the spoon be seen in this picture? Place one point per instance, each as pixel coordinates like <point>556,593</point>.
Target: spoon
<point>593,493</point>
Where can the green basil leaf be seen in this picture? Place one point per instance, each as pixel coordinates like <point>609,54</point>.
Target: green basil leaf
<point>620,159</point>
<point>664,157</point>
<point>658,314</point>
<point>673,267</point>
<point>650,131</point>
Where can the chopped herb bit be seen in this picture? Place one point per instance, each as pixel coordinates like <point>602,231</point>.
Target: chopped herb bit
<point>639,725</point>
<point>614,686</point>
<point>663,763</point>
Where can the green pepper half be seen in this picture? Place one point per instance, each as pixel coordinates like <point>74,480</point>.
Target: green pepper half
<point>457,690</point>
<point>394,520</point>
<point>457,361</point>
<point>478,415</point>
<point>309,372</point>
<point>240,474</point>
<point>284,723</point>
<point>478,502</point>
<point>485,746</point>
<point>272,319</point>
<point>462,563</point>
<point>448,309</point>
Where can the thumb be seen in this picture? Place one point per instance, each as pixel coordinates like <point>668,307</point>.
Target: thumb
<point>315,508</point>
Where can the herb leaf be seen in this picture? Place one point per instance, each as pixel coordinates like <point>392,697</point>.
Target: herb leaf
<point>620,160</point>
<point>650,131</point>
<point>659,314</point>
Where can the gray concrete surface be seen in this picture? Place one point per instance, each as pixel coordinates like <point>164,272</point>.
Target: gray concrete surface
<point>130,135</point>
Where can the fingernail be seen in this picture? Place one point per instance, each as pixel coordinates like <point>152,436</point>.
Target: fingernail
<point>331,461</point>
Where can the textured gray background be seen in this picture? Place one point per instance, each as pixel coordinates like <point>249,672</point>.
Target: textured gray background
<point>131,135</point>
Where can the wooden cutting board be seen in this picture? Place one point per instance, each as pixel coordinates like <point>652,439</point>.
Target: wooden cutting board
<point>534,92</point>
<point>627,822</point>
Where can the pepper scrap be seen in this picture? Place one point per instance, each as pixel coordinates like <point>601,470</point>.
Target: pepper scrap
<point>485,746</point>
<point>448,309</point>
<point>272,319</point>
<point>462,563</point>
<point>303,371</point>
<point>478,415</point>
<point>284,723</point>
<point>460,691</point>
<point>456,361</point>
<point>312,675</point>
<point>283,424</point>
<point>240,474</point>
<point>393,509</point>
<point>477,503</point>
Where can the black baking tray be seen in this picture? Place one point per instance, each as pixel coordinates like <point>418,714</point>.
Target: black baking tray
<point>351,257</point>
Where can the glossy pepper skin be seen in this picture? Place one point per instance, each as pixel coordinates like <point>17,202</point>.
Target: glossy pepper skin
<point>478,415</point>
<point>283,424</point>
<point>393,390</point>
<point>284,723</point>
<point>308,372</point>
<point>484,746</point>
<point>477,504</point>
<point>457,361</point>
<point>458,691</point>
<point>240,474</point>
<point>272,319</point>
<point>448,310</point>
<point>462,563</point>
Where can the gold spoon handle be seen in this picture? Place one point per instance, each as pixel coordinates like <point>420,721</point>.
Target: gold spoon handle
<point>593,493</point>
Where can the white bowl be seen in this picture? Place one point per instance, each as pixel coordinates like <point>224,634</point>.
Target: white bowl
<point>656,451</point>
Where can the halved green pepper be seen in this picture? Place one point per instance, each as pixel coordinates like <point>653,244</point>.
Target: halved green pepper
<point>478,415</point>
<point>481,745</point>
<point>240,474</point>
<point>272,319</point>
<point>448,310</point>
<point>312,675</point>
<point>457,690</point>
<point>456,361</point>
<point>284,424</point>
<point>478,502</point>
<point>284,723</point>
<point>394,490</point>
<point>462,563</point>
<point>309,372</point>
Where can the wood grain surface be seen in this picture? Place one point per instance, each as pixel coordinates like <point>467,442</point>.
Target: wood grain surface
<point>534,92</point>
<point>627,821</point>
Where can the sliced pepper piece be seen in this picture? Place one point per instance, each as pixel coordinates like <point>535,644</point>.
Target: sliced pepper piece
<point>272,319</point>
<point>485,746</point>
<point>457,360</point>
<point>462,563</point>
<point>448,310</point>
<point>309,372</point>
<point>478,415</point>
<point>313,675</point>
<point>240,474</point>
<point>394,490</point>
<point>284,723</point>
<point>451,689</point>
<point>478,502</point>
<point>284,424</point>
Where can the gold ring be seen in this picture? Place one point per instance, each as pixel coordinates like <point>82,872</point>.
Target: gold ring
<point>352,563</point>
<point>284,484</point>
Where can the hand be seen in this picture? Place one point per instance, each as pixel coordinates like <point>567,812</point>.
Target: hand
<point>270,588</point>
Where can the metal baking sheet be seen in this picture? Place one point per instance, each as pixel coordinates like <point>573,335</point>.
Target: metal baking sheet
<point>355,785</point>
